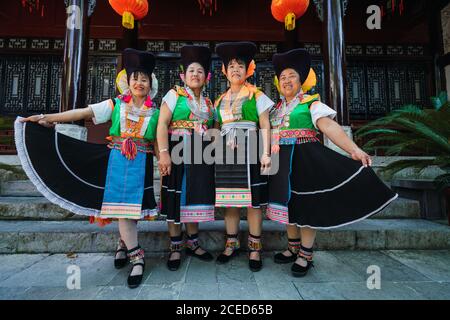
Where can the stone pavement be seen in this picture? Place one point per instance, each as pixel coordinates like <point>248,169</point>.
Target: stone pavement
<point>405,274</point>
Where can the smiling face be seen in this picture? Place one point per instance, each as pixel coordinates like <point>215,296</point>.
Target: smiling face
<point>140,84</point>
<point>236,71</point>
<point>290,83</point>
<point>195,76</point>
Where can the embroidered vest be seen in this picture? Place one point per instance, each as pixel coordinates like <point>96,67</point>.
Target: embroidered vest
<point>300,116</point>
<point>145,128</point>
<point>249,109</point>
<point>182,112</point>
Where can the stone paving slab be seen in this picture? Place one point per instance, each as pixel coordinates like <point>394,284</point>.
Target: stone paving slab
<point>11,264</point>
<point>392,269</point>
<point>433,264</point>
<point>338,275</point>
<point>356,291</point>
<point>431,290</point>
<point>200,291</point>
<point>96,270</point>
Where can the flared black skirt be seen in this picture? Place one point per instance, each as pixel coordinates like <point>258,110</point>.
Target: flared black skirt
<point>69,172</point>
<point>319,188</point>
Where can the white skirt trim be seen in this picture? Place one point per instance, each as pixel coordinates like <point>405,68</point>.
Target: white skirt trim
<point>331,189</point>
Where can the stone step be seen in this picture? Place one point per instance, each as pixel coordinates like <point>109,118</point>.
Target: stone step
<point>80,236</point>
<point>20,188</point>
<point>400,209</point>
<point>25,188</point>
<point>33,208</point>
<point>39,208</point>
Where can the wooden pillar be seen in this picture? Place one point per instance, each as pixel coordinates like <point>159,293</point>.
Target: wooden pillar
<point>290,40</point>
<point>334,59</point>
<point>76,47</point>
<point>130,37</point>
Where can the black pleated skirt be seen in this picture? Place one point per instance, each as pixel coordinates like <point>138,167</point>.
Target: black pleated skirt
<point>239,182</point>
<point>187,194</point>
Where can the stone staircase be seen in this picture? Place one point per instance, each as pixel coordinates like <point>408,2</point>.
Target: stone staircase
<point>31,224</point>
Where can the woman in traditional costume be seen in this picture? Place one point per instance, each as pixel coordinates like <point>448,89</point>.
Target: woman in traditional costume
<point>103,182</point>
<point>187,193</point>
<point>241,180</point>
<point>315,187</point>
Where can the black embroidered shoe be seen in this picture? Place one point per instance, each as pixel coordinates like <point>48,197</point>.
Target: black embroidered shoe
<point>176,245</point>
<point>254,245</point>
<point>119,263</point>
<point>234,245</point>
<point>224,258</point>
<point>206,256</point>
<point>300,271</point>
<point>192,248</point>
<point>292,250</point>
<point>283,259</point>
<point>136,256</point>
<point>306,255</point>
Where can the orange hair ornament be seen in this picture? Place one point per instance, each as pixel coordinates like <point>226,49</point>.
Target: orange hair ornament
<point>310,82</point>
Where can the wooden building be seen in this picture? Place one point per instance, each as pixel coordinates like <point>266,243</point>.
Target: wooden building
<point>403,62</point>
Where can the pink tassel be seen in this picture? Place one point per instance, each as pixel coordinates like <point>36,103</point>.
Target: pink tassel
<point>148,102</point>
<point>125,97</point>
<point>129,149</point>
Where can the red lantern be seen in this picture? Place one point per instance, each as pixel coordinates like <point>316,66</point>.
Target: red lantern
<point>288,11</point>
<point>130,10</point>
<point>207,5</point>
<point>34,5</point>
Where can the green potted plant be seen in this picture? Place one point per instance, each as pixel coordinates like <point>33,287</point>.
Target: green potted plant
<point>412,130</point>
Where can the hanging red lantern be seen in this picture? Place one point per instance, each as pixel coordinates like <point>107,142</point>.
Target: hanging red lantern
<point>389,7</point>
<point>288,11</point>
<point>130,10</point>
<point>34,5</point>
<point>207,5</point>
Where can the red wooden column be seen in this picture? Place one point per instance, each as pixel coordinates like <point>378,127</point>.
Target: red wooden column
<point>74,80</point>
<point>76,47</point>
<point>334,58</point>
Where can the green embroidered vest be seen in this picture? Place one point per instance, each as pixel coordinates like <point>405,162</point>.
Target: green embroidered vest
<point>249,110</point>
<point>300,117</point>
<point>150,133</point>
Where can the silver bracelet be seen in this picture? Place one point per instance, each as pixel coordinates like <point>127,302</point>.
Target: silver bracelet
<point>163,150</point>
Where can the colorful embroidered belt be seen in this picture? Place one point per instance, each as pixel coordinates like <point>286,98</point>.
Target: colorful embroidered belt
<point>297,136</point>
<point>129,146</point>
<point>188,124</point>
<point>230,130</point>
